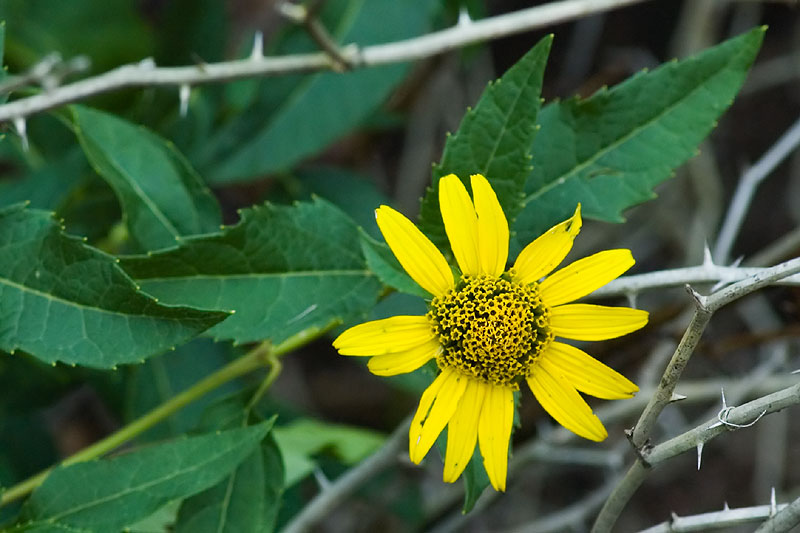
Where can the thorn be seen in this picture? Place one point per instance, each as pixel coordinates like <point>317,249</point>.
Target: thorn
<point>700,454</point>
<point>463,17</point>
<point>183,95</point>
<point>773,505</point>
<point>795,371</point>
<point>674,515</point>
<point>677,397</point>
<point>258,47</point>
<point>20,125</point>
<point>147,63</point>
<point>708,261</point>
<point>738,261</point>
<point>631,296</point>
<point>725,507</point>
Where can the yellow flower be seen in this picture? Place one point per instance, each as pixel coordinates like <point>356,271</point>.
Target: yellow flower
<point>491,329</point>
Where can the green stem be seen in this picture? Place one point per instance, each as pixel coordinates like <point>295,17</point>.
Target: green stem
<point>262,355</point>
<point>256,358</point>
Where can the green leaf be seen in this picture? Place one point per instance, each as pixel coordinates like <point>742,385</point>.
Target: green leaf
<point>162,197</point>
<point>609,150</point>
<point>353,193</point>
<point>47,187</point>
<point>109,494</point>
<point>494,139</point>
<point>304,438</point>
<point>110,33</point>
<point>246,500</point>
<point>328,105</point>
<point>385,265</point>
<point>61,300</point>
<point>475,481</point>
<point>161,378</point>
<point>282,269</point>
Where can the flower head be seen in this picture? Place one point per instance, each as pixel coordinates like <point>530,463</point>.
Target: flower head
<point>492,328</point>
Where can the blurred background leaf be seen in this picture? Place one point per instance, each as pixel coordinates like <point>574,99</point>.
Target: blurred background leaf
<point>328,105</point>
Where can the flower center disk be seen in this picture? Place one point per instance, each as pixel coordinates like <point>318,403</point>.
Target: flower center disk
<point>491,328</point>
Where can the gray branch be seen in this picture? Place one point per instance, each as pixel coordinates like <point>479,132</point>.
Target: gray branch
<point>335,493</point>
<point>705,306</point>
<point>786,518</point>
<point>716,520</point>
<point>679,277</point>
<point>147,74</point>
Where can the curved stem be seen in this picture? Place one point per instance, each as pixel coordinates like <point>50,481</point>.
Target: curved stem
<point>262,355</point>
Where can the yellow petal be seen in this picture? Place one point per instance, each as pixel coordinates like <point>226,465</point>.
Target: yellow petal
<point>460,223</point>
<point>584,276</point>
<point>586,373</point>
<point>494,432</point>
<point>492,227</point>
<point>462,431</point>
<point>436,407</point>
<point>403,362</point>
<point>395,334</point>
<point>541,256</point>
<point>586,322</point>
<point>565,405</point>
<point>416,253</point>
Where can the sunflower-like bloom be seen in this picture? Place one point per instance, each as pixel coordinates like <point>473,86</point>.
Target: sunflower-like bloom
<point>493,328</point>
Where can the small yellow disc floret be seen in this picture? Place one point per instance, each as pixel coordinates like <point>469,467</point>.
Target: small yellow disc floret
<point>491,328</point>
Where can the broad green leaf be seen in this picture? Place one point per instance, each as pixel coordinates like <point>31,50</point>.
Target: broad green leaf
<point>247,499</point>
<point>162,197</point>
<point>3,72</point>
<point>609,151</point>
<point>385,265</point>
<point>282,269</point>
<point>109,494</point>
<point>61,300</point>
<point>161,378</point>
<point>328,105</point>
<point>160,521</point>
<point>304,438</point>
<point>494,139</point>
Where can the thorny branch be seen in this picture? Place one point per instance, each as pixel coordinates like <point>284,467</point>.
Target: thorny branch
<point>705,306</point>
<point>147,74</point>
<point>717,520</point>
<point>785,519</point>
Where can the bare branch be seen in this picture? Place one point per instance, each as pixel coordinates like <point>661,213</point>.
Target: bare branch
<point>705,306</point>
<point>748,183</point>
<point>679,277</point>
<point>348,482</point>
<point>710,521</point>
<point>736,418</point>
<point>787,517</point>
<point>145,74</point>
